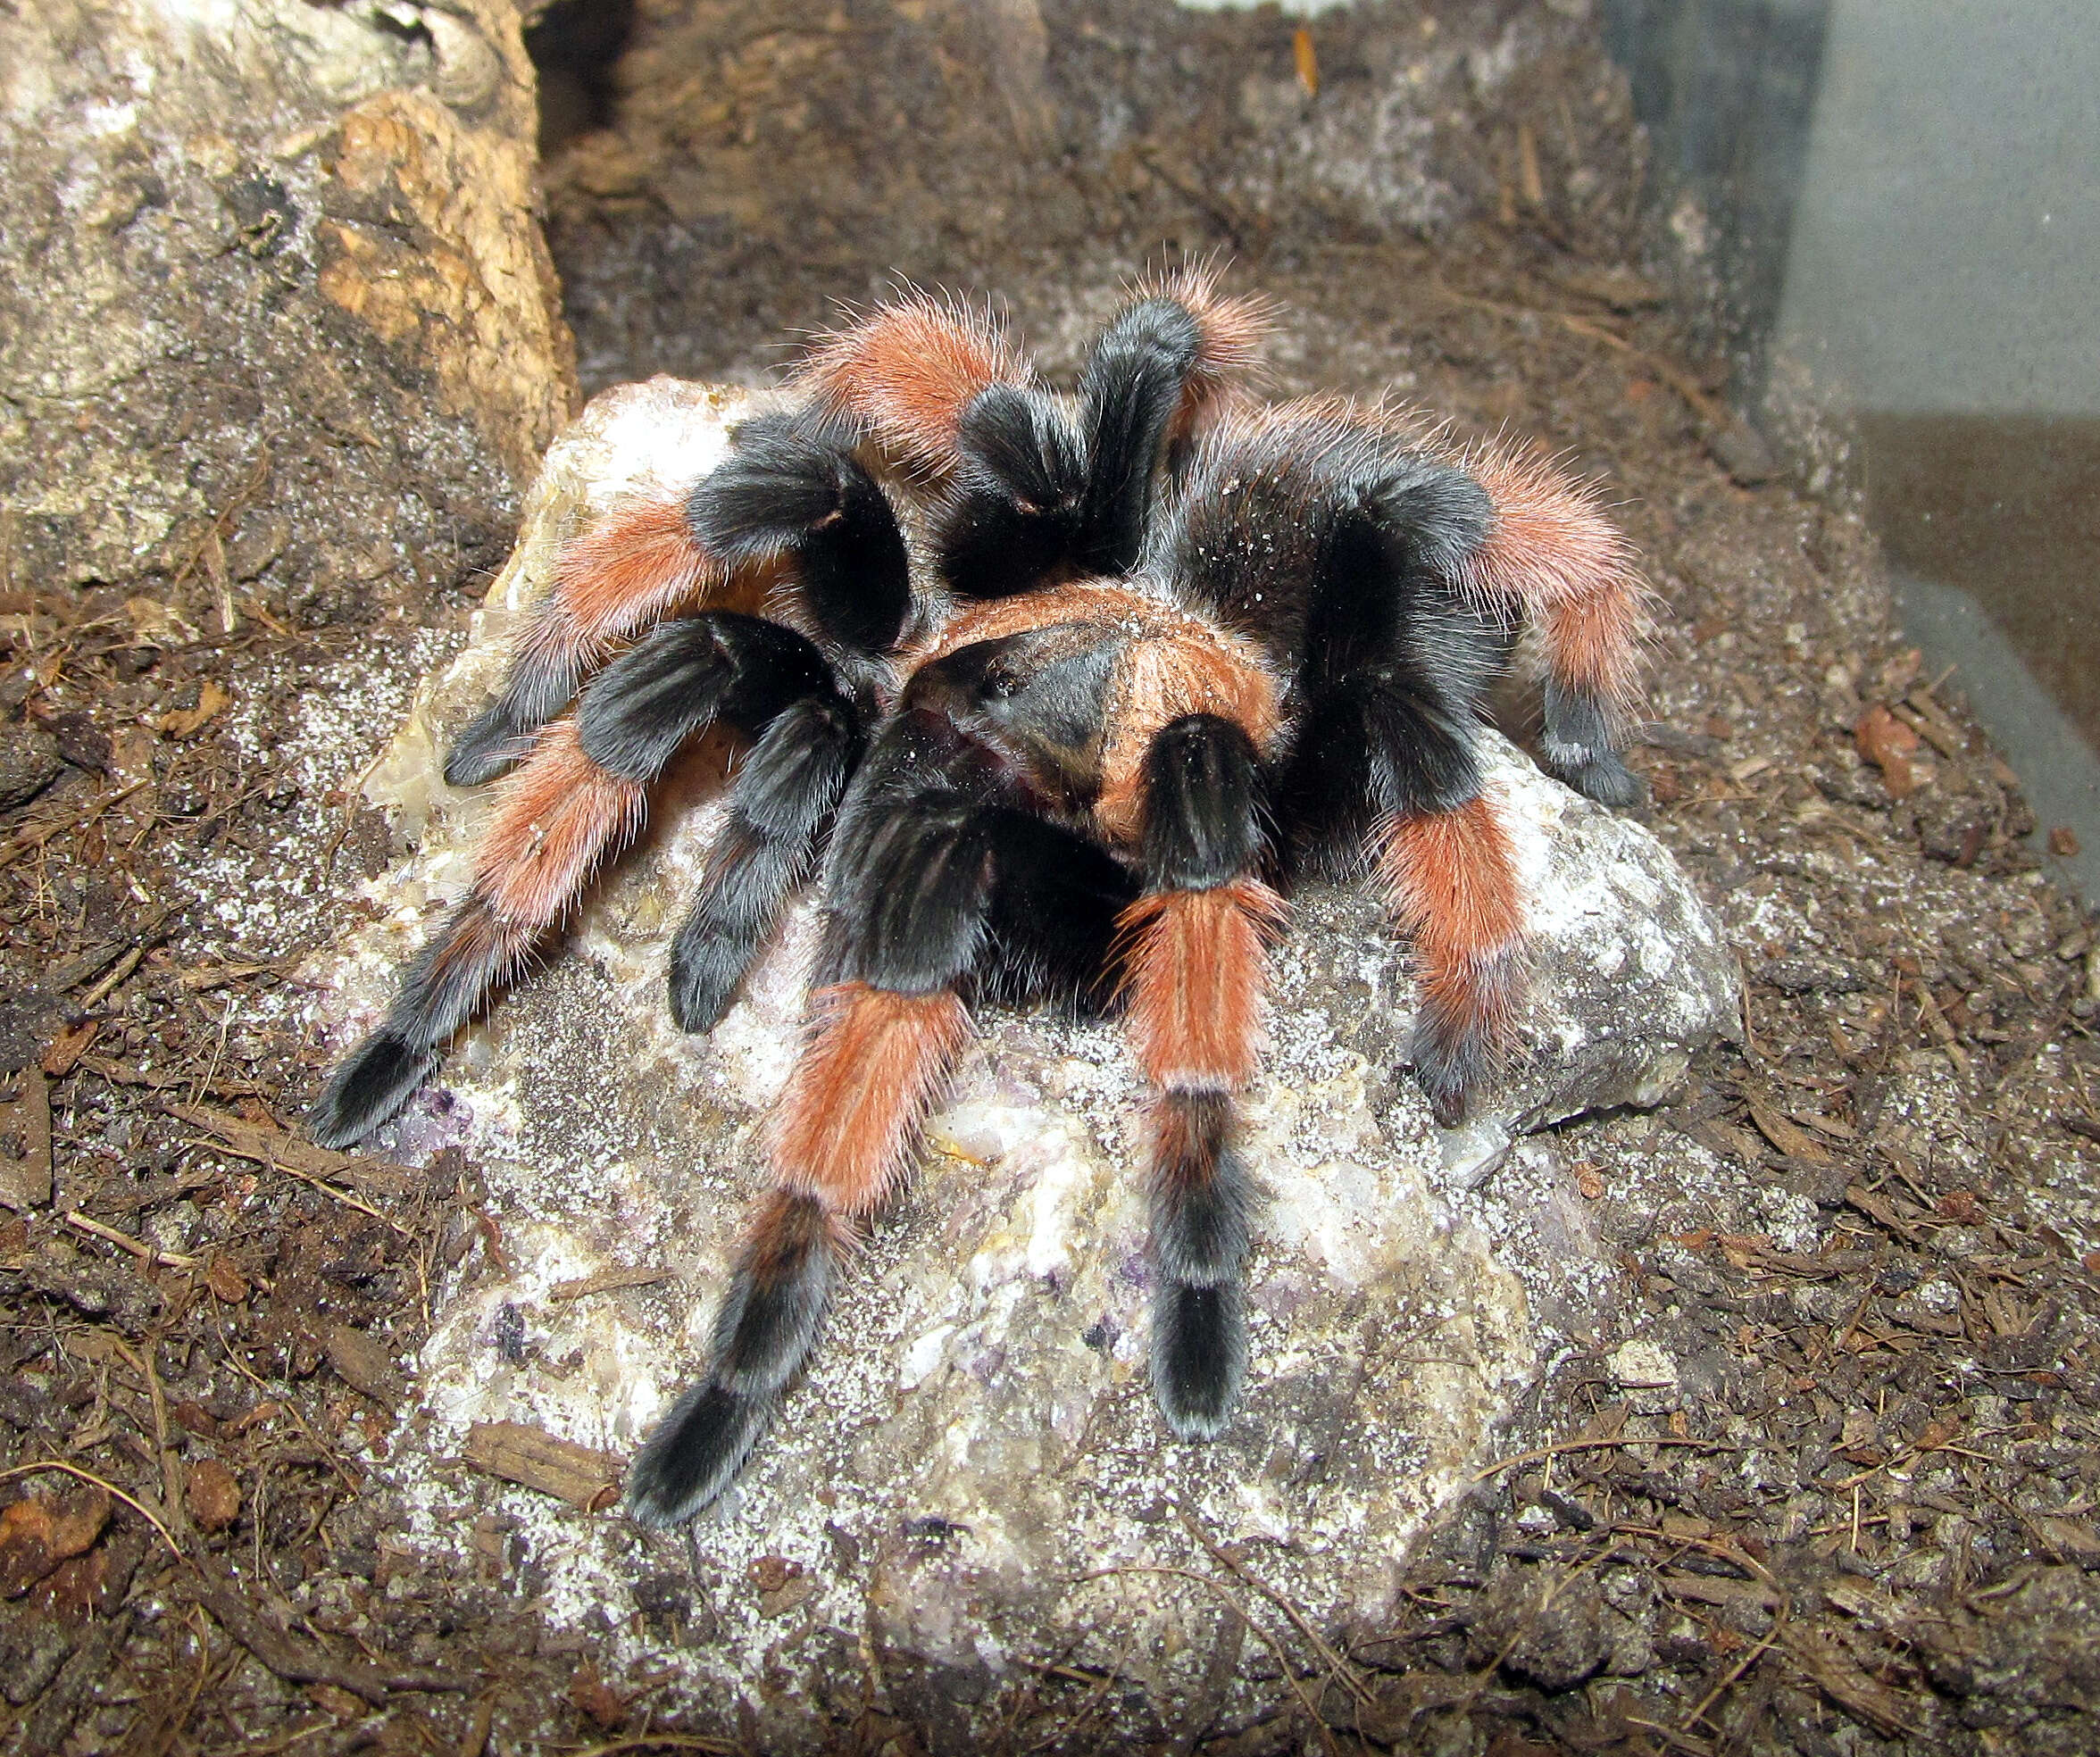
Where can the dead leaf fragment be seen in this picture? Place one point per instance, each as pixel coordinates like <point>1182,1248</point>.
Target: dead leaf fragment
<point>157,624</point>
<point>225,1281</point>
<point>40,1531</point>
<point>594,1697</point>
<point>213,1494</point>
<point>1892,747</point>
<point>779,1603</point>
<point>180,723</point>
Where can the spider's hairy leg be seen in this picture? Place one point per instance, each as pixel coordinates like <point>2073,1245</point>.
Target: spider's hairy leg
<point>1385,756</point>
<point>780,803</point>
<point>560,815</point>
<point>1041,489</point>
<point>626,570</point>
<point>932,879</point>
<point>909,896</point>
<point>1451,879</point>
<point>771,683</point>
<point>792,485</point>
<point>1553,554</point>
<point>581,796</point>
<point>1195,974</point>
<point>906,373</point>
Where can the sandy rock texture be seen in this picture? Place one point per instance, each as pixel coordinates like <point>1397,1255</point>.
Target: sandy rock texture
<point>972,1474</point>
<point>279,326</point>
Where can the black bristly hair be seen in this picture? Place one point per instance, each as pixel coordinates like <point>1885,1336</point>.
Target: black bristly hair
<point>1130,393</point>
<point>792,483</point>
<point>1043,490</point>
<point>780,800</point>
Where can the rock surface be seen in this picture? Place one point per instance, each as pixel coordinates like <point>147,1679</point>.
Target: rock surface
<point>972,1471</point>
<point>278,322</point>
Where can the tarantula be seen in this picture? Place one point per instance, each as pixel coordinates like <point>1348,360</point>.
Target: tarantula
<point>1150,646</point>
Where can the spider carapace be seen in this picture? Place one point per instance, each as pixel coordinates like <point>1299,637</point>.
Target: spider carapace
<point>1151,647</point>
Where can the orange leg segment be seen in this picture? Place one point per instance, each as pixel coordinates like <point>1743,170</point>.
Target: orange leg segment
<point>1451,880</point>
<point>860,1091</point>
<point>907,372</point>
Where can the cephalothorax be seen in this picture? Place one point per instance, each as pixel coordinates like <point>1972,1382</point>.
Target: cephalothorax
<point>1153,647</point>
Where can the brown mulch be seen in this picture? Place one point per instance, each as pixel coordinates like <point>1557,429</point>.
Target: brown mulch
<point>1863,1522</point>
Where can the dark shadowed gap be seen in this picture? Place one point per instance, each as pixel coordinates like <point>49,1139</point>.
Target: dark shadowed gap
<point>576,45</point>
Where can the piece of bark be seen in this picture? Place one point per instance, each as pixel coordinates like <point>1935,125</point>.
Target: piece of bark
<point>25,1183</point>
<point>607,1281</point>
<point>364,1363</point>
<point>266,1145</point>
<point>532,1458</point>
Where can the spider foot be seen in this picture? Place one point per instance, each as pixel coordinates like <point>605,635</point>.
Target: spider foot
<point>691,1458</point>
<point>1198,1355</point>
<point>1450,1067</point>
<point>1601,776</point>
<point>495,740</point>
<point>376,1079</point>
<point>766,1325</point>
<point>704,973</point>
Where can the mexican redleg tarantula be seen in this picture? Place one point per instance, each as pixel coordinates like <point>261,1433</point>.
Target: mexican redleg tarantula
<point>1152,646</point>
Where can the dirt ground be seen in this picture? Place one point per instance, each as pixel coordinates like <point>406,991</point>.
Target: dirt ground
<point>1862,1522</point>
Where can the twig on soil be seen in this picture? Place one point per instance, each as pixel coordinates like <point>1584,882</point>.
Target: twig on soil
<point>36,837</point>
<point>299,1662</point>
<point>1266,1639</point>
<point>1734,1671</point>
<point>1496,1469</point>
<point>123,968</point>
<point>144,1251</point>
<point>1343,1673</point>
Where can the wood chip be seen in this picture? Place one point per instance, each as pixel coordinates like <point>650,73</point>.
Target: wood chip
<point>212,1494</point>
<point>364,1363</point>
<point>301,1662</point>
<point>1794,1143</point>
<point>1825,1662</point>
<point>25,1183</point>
<point>1879,1208</point>
<point>607,1281</point>
<point>532,1458</point>
<point>40,1531</point>
<point>1306,59</point>
<point>269,1145</point>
